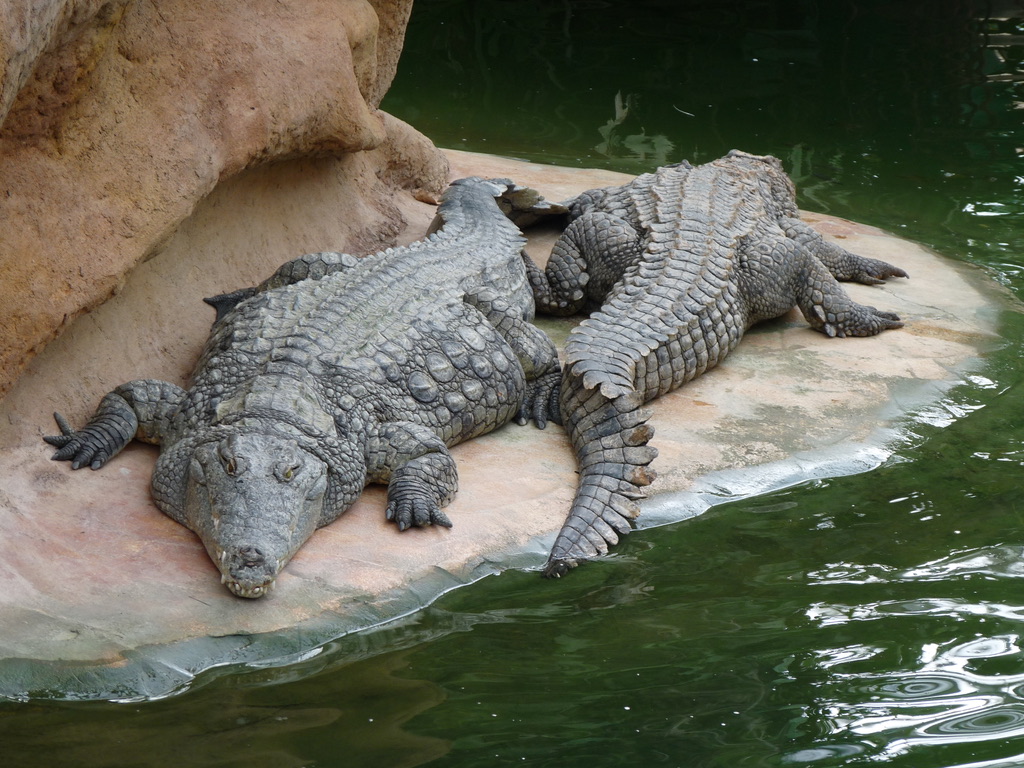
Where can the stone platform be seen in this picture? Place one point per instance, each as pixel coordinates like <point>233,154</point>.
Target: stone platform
<point>101,596</point>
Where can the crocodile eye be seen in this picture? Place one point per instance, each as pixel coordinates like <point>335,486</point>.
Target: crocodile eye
<point>286,472</point>
<point>231,466</point>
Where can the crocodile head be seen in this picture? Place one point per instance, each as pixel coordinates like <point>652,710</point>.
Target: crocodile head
<point>253,499</point>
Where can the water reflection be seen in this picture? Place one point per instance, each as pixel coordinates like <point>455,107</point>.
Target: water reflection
<point>1001,561</point>
<point>949,688</point>
<point>944,700</point>
<point>242,721</point>
<point>619,141</point>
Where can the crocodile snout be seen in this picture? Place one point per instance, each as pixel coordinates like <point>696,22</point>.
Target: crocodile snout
<point>248,570</point>
<point>251,557</point>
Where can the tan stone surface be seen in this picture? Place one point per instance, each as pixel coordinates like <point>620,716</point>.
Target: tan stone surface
<point>120,117</point>
<point>90,570</point>
<point>28,30</point>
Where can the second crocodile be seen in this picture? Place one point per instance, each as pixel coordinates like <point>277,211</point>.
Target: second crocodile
<point>337,372</point>
<point>681,261</point>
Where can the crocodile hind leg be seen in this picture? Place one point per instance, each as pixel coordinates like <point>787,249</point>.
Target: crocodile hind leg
<point>419,471</point>
<point>535,352</point>
<point>840,262</point>
<point>140,409</point>
<point>824,303</point>
<point>586,261</point>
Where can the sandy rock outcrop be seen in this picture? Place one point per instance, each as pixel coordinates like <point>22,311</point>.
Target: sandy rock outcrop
<point>103,596</point>
<point>120,116</point>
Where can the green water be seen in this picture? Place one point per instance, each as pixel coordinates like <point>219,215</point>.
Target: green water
<point>873,619</point>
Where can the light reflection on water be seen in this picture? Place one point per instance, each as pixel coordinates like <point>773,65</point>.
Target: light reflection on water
<point>1004,561</point>
<point>944,700</point>
<point>956,691</point>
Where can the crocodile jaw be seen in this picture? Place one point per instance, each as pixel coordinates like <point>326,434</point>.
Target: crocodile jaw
<point>242,578</point>
<point>241,591</point>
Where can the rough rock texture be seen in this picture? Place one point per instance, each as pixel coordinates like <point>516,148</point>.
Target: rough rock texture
<point>119,117</point>
<point>133,608</point>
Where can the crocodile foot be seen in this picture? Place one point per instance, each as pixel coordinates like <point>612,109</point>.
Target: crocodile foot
<point>540,403</point>
<point>94,444</point>
<point>418,511</point>
<point>874,271</point>
<point>558,567</point>
<point>855,320</point>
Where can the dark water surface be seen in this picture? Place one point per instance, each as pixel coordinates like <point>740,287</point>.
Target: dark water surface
<point>873,619</point>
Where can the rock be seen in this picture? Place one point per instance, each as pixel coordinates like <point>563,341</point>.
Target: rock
<point>101,596</point>
<point>119,117</point>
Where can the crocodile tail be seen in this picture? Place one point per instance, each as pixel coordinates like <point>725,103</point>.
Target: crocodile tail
<point>610,437</point>
<point>603,355</point>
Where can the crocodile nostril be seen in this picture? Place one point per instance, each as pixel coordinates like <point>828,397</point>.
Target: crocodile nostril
<point>251,557</point>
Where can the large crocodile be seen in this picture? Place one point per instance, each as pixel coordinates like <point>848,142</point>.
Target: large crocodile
<point>337,372</point>
<point>681,261</point>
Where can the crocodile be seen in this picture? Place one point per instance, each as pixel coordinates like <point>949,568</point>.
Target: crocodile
<point>680,263</point>
<point>337,372</point>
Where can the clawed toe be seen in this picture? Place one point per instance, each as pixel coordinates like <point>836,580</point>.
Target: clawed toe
<point>417,513</point>
<point>875,272</point>
<point>541,401</point>
<point>58,441</point>
<point>63,440</point>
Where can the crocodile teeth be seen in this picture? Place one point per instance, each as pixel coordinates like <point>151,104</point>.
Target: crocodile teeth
<point>223,579</point>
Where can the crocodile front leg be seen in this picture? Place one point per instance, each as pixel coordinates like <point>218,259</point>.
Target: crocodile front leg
<point>419,471</point>
<point>140,409</point>
<point>587,260</point>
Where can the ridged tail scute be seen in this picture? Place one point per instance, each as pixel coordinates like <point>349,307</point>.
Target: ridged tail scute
<point>610,438</point>
<point>604,357</point>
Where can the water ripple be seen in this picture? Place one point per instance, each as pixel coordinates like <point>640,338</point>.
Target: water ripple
<point>995,562</point>
<point>829,752</point>
<point>830,614</point>
<point>958,692</point>
<point>917,689</point>
<point>832,657</point>
<point>991,722</point>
